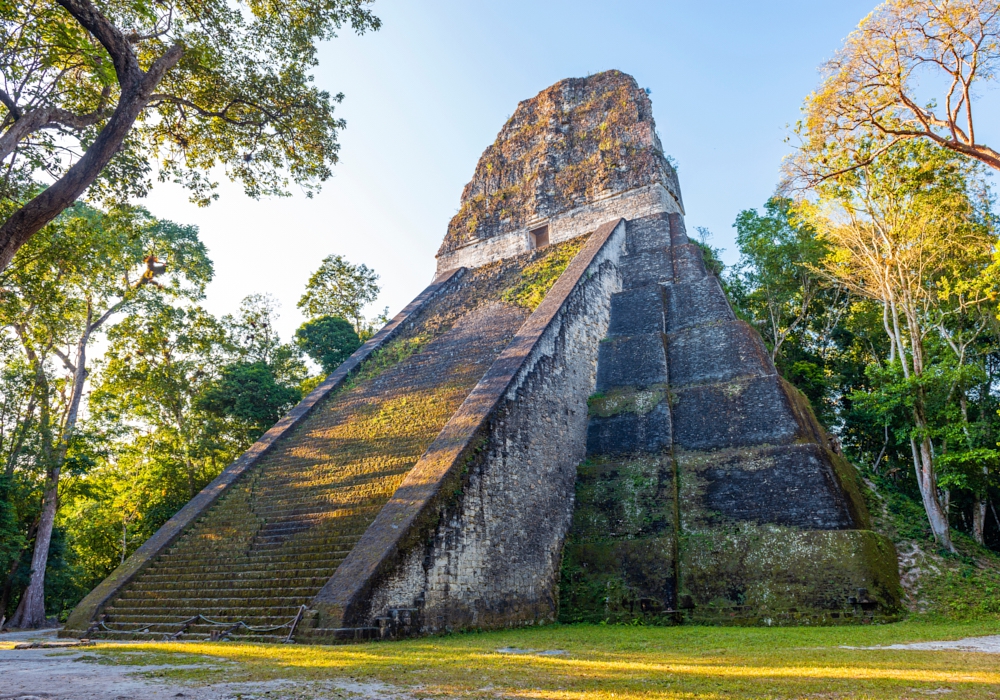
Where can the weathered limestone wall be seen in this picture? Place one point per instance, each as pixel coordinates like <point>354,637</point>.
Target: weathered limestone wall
<point>582,152</point>
<point>633,204</point>
<point>473,536</point>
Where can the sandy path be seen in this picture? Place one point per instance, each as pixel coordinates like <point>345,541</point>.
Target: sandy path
<point>983,645</point>
<point>45,674</point>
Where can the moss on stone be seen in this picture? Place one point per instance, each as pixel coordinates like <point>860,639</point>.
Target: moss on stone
<point>626,400</point>
<point>744,573</point>
<point>622,581</point>
<point>618,562</point>
<point>538,277</point>
<point>623,498</point>
<point>578,139</point>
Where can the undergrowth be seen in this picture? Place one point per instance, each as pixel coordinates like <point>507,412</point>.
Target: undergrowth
<point>938,584</point>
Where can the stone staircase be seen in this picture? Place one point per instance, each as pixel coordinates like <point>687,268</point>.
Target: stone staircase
<point>248,568</point>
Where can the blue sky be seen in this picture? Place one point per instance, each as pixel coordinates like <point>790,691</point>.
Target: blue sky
<point>428,93</point>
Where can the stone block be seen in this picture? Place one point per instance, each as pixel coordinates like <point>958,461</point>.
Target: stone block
<point>790,485</point>
<point>689,265</point>
<point>647,267</point>
<point>628,432</point>
<point>639,310</point>
<point>624,497</point>
<point>716,352</point>
<point>619,581</point>
<point>738,413</point>
<point>635,361</point>
<point>648,233</point>
<point>772,575</point>
<point>696,303</point>
<point>678,232</point>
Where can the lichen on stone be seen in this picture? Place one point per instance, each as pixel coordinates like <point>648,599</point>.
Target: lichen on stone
<point>578,140</point>
<point>626,400</point>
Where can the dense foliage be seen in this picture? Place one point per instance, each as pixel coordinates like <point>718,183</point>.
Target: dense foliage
<point>98,449</point>
<point>328,340</point>
<point>100,94</point>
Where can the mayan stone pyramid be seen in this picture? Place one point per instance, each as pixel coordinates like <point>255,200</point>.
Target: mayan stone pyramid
<point>568,423</point>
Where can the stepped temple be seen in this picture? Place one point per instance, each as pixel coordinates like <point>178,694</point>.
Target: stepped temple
<point>569,423</point>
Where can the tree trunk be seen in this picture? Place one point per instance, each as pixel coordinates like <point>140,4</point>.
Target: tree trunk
<point>923,462</point>
<point>31,609</point>
<point>978,519</point>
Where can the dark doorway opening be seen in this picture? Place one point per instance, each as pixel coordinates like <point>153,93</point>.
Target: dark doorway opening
<point>539,237</point>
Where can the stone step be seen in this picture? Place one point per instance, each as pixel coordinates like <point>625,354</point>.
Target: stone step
<point>637,311</point>
<point>273,511</point>
<point>291,550</point>
<point>146,587</point>
<point>627,431</point>
<point>237,609</point>
<point>689,263</point>
<point>678,231</point>
<point>740,413</point>
<point>274,568</point>
<point>316,511</point>
<point>648,232</point>
<point>249,578</point>
<point>716,352</point>
<point>253,556</point>
<point>650,266</point>
<point>637,361</point>
<point>328,479</point>
<point>696,303</point>
<point>175,617</point>
<point>153,598</point>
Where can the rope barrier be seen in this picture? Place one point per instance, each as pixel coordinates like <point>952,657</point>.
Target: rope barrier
<point>233,626</point>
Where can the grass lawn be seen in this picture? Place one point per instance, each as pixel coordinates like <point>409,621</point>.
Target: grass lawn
<point>616,662</point>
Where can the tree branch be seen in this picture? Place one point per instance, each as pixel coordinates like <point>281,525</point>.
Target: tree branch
<point>136,87</point>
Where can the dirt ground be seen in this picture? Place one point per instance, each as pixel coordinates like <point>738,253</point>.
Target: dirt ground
<point>69,674</point>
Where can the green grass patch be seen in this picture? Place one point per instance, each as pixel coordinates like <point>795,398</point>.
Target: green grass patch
<point>389,355</point>
<point>623,662</point>
<point>538,277</point>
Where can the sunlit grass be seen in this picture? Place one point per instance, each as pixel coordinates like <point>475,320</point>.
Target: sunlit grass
<point>617,662</point>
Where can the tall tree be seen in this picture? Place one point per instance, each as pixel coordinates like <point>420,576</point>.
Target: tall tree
<point>95,90</point>
<point>904,231</point>
<point>155,368</point>
<point>63,288</point>
<point>340,288</point>
<point>774,279</point>
<point>328,340</point>
<point>880,87</point>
